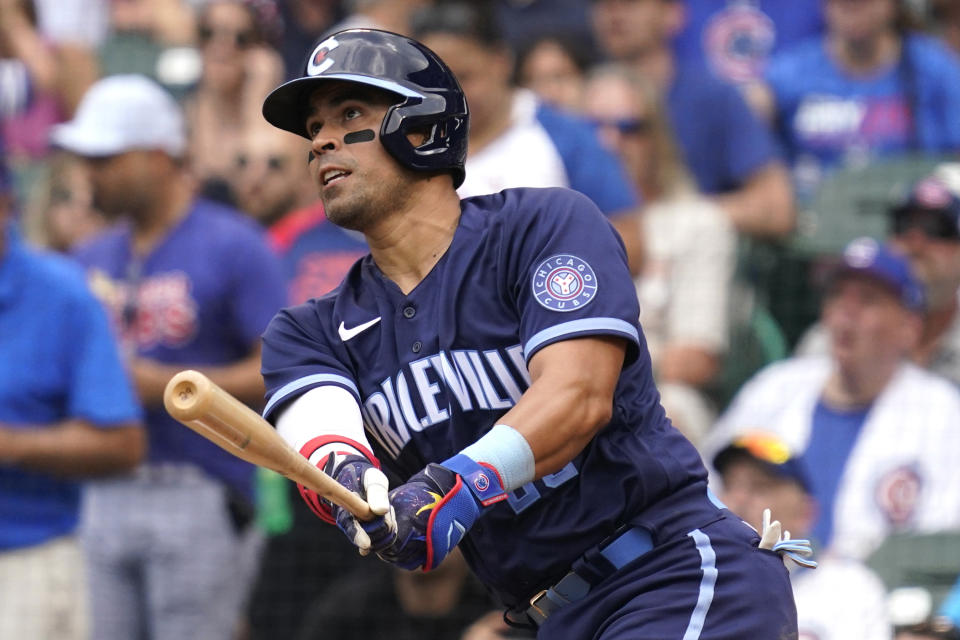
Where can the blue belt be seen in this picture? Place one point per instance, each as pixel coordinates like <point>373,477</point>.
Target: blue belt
<point>623,549</point>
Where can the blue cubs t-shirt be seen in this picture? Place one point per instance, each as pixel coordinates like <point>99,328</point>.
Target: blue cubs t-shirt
<point>828,118</point>
<point>722,141</point>
<point>433,370</point>
<point>735,39</point>
<point>202,296</point>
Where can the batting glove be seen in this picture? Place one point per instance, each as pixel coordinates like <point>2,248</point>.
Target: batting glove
<point>436,508</point>
<point>357,474</point>
<point>799,550</point>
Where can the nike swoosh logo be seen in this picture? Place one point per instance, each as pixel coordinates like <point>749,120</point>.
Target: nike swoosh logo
<point>346,334</point>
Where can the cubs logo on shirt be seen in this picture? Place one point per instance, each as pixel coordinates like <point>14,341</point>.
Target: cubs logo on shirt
<point>898,492</point>
<point>564,283</point>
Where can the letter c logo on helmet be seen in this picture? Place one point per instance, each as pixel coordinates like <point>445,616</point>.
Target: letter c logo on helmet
<point>429,98</point>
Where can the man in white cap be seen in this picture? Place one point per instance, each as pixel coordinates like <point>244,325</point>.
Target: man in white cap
<point>191,285</point>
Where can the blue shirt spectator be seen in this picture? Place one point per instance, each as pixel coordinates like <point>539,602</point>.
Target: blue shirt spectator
<point>829,117</point>
<point>735,39</point>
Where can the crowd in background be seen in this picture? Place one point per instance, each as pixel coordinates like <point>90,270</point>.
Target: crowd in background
<point>785,177</point>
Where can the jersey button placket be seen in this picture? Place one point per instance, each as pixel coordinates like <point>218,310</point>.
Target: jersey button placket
<point>409,312</point>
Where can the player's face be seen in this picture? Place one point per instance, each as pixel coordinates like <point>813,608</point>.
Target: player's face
<point>359,183</point>
<point>868,325</point>
<point>936,261</point>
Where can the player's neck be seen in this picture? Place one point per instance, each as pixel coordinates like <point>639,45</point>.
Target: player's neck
<point>407,244</point>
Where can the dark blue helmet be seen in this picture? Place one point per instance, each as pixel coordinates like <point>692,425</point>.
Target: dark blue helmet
<point>429,98</point>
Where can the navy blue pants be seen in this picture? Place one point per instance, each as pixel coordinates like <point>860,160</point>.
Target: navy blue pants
<point>711,584</point>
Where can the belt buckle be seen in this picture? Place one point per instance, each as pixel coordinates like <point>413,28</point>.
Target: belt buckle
<point>537,598</point>
<point>535,612</point>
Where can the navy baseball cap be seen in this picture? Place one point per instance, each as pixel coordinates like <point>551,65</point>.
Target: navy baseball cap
<point>767,450</point>
<point>868,258</point>
<point>930,205</point>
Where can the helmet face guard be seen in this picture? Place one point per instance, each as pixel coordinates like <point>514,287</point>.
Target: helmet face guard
<point>429,98</point>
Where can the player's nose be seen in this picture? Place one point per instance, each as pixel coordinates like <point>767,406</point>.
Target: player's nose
<point>324,142</point>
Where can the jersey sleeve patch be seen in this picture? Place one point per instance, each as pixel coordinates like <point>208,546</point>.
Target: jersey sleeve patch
<point>564,283</point>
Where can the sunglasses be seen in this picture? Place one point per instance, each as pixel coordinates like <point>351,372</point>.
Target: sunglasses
<point>273,163</point>
<point>935,223</point>
<point>625,126</point>
<point>240,39</point>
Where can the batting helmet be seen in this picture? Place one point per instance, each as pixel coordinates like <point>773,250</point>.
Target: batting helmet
<point>429,98</point>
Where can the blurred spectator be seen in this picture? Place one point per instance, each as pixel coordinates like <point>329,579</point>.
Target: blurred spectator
<point>876,433</point>
<point>553,67</point>
<point>155,38</point>
<point>409,605</point>
<point>689,249</point>
<point>275,187</point>
<point>515,139</point>
<point>304,22</point>
<point>840,600</point>
<point>239,69</point>
<point>870,88</point>
<point>736,38</point>
<point>270,175</point>
<point>29,101</point>
<point>523,21</point>
<point>911,611</point>
<point>67,411</point>
<point>731,153</point>
<point>390,15</point>
<point>189,284</point>
<point>925,227</point>
<point>944,20</point>
<point>67,214</point>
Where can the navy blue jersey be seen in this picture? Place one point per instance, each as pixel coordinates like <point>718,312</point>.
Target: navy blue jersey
<point>434,370</point>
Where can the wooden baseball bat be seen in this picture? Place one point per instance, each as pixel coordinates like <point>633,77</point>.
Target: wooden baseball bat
<point>197,402</point>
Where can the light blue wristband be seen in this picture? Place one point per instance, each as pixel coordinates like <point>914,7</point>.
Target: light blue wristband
<point>507,451</point>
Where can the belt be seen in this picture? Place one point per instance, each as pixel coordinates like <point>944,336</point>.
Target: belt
<point>589,570</point>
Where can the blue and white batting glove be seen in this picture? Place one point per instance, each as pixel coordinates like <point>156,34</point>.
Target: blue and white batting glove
<point>357,474</point>
<point>798,550</point>
<point>436,508</point>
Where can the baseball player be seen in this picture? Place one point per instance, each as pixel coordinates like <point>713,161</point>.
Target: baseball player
<point>486,354</point>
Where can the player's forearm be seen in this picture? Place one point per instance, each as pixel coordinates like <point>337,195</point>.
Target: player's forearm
<point>569,400</point>
<point>72,448</point>
<point>764,205</point>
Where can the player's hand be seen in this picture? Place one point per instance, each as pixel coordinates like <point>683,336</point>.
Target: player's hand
<point>357,474</point>
<point>436,508</point>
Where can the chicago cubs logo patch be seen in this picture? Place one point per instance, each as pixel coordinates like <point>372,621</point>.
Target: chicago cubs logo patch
<point>564,283</point>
